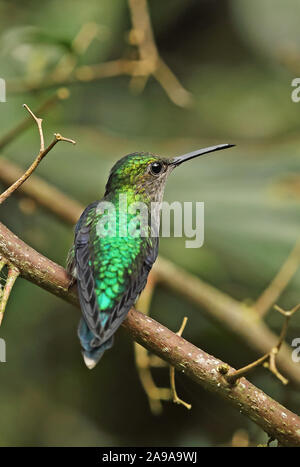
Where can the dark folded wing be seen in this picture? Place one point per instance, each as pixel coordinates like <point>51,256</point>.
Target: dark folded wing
<point>89,254</point>
<point>84,271</point>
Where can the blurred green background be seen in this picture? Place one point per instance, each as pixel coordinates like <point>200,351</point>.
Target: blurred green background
<point>238,59</point>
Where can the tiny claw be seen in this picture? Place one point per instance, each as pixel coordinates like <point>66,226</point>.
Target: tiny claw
<point>71,283</point>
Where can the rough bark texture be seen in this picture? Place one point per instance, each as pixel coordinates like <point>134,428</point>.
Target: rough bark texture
<point>242,321</point>
<point>272,417</point>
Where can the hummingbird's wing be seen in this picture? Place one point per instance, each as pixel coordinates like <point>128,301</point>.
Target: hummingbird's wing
<point>111,273</point>
<point>70,263</point>
<point>82,269</point>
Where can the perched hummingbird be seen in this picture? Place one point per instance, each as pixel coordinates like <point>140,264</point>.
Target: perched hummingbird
<point>111,271</point>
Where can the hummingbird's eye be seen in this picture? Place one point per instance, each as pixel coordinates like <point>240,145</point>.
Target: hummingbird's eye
<point>156,168</point>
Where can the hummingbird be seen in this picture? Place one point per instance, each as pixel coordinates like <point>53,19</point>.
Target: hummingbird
<point>111,270</point>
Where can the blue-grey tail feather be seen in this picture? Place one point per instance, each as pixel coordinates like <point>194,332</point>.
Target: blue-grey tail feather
<point>92,352</point>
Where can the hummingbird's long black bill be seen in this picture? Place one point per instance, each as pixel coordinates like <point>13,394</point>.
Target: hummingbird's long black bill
<point>186,157</point>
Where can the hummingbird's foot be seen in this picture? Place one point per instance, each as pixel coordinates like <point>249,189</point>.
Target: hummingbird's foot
<point>71,283</point>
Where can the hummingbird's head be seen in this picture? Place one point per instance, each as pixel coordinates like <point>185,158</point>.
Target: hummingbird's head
<point>146,173</point>
<point>143,172</point>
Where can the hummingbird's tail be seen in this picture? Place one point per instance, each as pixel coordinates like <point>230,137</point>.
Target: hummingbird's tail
<point>91,354</point>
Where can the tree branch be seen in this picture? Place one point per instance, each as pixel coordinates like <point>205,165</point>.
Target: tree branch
<point>5,292</point>
<point>287,271</point>
<point>42,192</point>
<point>242,321</point>
<point>144,360</point>
<point>149,63</point>
<point>176,398</point>
<point>271,416</point>
<point>142,36</point>
<point>269,359</point>
<point>60,94</point>
<point>43,152</point>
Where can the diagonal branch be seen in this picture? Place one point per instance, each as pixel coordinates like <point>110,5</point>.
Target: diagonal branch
<point>242,321</point>
<point>271,416</point>
<point>238,319</point>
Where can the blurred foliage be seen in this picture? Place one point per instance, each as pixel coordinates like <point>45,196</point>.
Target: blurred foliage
<point>235,58</point>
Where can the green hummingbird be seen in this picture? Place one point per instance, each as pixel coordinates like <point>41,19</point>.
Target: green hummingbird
<point>111,269</point>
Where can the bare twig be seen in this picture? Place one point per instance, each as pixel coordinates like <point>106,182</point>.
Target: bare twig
<point>39,122</point>
<point>43,152</point>
<point>149,63</point>
<point>175,397</point>
<point>143,361</point>
<point>269,359</point>
<point>280,281</point>
<point>82,74</point>
<point>271,416</point>
<point>60,94</point>
<point>142,36</point>
<point>80,44</point>
<point>242,321</point>
<point>12,275</point>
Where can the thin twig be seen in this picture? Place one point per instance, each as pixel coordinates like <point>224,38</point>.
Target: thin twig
<point>149,63</point>
<point>238,319</point>
<point>43,152</point>
<point>154,393</point>
<point>269,359</point>
<point>142,36</point>
<point>287,271</point>
<point>272,417</point>
<point>39,122</point>
<point>83,74</point>
<point>242,321</point>
<point>60,94</point>
<point>80,44</point>
<point>175,397</point>
<point>12,275</point>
